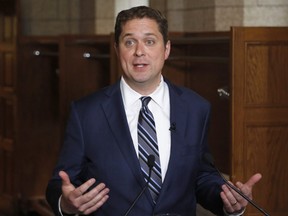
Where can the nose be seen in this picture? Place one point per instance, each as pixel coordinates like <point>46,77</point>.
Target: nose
<point>139,50</point>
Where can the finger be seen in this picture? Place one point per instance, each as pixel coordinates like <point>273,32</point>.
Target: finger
<point>68,187</point>
<point>235,200</point>
<point>76,198</point>
<point>79,191</point>
<point>92,196</point>
<point>247,187</point>
<point>253,180</point>
<point>230,206</point>
<point>236,195</point>
<point>95,198</point>
<point>229,193</point>
<point>98,204</point>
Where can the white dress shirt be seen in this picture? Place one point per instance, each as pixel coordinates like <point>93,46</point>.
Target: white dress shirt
<point>160,108</point>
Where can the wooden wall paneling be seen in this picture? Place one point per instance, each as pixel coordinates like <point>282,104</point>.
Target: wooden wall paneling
<point>260,113</point>
<point>8,68</point>
<point>84,68</point>
<point>8,106</point>
<point>7,149</point>
<point>38,115</point>
<point>8,6</point>
<point>115,66</point>
<point>201,62</point>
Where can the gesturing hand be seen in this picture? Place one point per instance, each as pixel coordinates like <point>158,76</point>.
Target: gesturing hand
<point>79,200</point>
<point>232,201</point>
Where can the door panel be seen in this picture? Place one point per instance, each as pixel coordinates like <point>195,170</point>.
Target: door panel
<point>84,68</point>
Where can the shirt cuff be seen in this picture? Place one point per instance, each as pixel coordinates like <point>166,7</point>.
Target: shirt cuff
<point>59,205</point>
<point>238,213</point>
<point>60,210</point>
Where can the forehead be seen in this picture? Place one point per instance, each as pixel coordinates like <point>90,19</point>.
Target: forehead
<point>143,25</point>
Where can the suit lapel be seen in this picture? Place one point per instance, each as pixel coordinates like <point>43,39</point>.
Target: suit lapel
<point>178,117</point>
<point>114,110</point>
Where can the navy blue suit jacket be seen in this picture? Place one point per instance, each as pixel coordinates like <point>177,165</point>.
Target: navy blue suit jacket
<point>98,144</point>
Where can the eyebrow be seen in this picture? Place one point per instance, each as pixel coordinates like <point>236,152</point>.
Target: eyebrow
<point>146,34</point>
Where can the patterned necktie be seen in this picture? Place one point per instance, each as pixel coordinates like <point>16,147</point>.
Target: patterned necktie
<point>147,145</point>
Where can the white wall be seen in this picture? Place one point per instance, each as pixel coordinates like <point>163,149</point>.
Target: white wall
<point>220,15</point>
<point>53,17</point>
<point>107,10</point>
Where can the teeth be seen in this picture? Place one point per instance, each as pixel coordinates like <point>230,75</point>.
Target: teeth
<point>140,65</point>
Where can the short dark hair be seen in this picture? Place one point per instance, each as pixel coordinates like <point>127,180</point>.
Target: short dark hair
<point>139,13</point>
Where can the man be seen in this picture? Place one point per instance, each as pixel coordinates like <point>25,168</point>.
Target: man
<point>99,171</point>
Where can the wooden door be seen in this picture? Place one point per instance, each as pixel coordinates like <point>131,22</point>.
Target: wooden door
<point>259,113</point>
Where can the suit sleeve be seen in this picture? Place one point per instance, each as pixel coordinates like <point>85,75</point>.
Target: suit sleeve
<point>208,184</point>
<point>70,160</point>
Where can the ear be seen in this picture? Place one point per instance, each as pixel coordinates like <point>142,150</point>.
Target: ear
<point>116,49</point>
<point>167,49</point>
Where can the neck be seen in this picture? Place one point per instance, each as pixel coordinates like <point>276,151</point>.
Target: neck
<point>143,88</point>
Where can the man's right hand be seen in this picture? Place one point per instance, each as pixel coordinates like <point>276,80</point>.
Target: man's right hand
<point>79,200</point>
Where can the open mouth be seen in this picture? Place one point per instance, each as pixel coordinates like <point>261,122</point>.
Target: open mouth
<point>140,65</point>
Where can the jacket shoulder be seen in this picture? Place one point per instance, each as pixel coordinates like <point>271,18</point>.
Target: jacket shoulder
<point>188,95</point>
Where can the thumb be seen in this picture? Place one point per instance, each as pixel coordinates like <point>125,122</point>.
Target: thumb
<point>66,184</point>
<point>253,180</point>
<point>247,187</point>
<point>65,178</point>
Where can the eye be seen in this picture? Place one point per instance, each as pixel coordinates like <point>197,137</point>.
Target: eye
<point>150,42</point>
<point>129,43</point>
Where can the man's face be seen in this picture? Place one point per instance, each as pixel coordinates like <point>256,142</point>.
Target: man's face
<point>142,53</point>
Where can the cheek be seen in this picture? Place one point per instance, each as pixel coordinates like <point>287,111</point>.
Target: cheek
<point>159,59</point>
<point>125,56</point>
<point>123,59</point>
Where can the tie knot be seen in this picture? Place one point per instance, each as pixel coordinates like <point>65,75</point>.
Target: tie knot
<point>145,100</point>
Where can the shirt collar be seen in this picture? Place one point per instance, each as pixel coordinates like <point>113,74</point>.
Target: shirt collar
<point>130,97</point>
